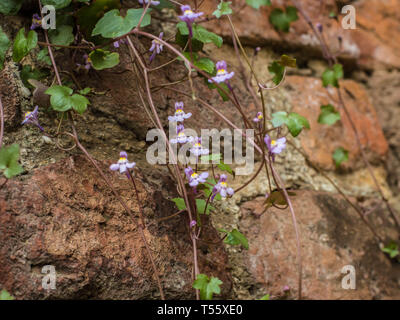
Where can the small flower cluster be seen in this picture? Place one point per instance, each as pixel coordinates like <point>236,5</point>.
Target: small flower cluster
<point>36,21</point>
<point>31,117</point>
<point>222,74</point>
<point>156,47</point>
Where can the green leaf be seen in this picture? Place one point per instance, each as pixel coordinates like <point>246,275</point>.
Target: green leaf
<point>9,161</point>
<point>287,61</point>
<point>23,45</point>
<point>4,45</point>
<point>62,99</point>
<point>112,25</point>
<point>43,56</point>
<point>281,20</point>
<point>225,167</point>
<point>88,16</point>
<point>278,71</point>
<point>276,197</point>
<point>201,206</point>
<point>296,123</point>
<point>266,297</point>
<point>182,40</point>
<point>256,4</point>
<point>102,59</point>
<point>206,36</point>
<point>62,35</point>
<point>223,9</point>
<point>58,4</point>
<point>206,286</point>
<point>205,64</point>
<point>164,4</point>
<point>235,237</point>
<point>10,7</point>
<point>4,295</point>
<point>328,115</point>
<point>340,155</point>
<point>279,118</point>
<point>392,249</point>
<point>332,75</point>
<point>180,203</point>
<point>85,91</point>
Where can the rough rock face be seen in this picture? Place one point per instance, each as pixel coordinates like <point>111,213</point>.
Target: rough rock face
<point>65,216</point>
<point>332,236</point>
<point>371,43</point>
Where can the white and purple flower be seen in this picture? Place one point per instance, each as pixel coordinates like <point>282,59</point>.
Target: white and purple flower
<point>197,149</point>
<point>222,188</point>
<point>32,118</point>
<point>258,117</point>
<point>152,2</point>
<point>275,146</point>
<point>188,15</point>
<point>194,178</point>
<point>222,74</point>
<point>181,136</point>
<point>36,21</point>
<point>88,63</point>
<point>179,115</point>
<point>123,164</point>
<point>156,47</point>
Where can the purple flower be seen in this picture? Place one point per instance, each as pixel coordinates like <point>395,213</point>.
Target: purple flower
<point>36,21</point>
<point>156,47</point>
<point>195,178</point>
<point>181,136</point>
<point>118,43</point>
<point>222,188</point>
<point>197,149</point>
<point>188,15</point>
<point>88,62</point>
<point>193,223</point>
<point>222,73</point>
<point>32,118</point>
<point>153,3</point>
<point>275,146</point>
<point>258,117</point>
<point>122,165</point>
<point>180,115</point>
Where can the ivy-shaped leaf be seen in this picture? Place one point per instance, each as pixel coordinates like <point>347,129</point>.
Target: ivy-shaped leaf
<point>201,206</point>
<point>43,56</point>
<point>23,45</point>
<point>281,20</point>
<point>27,73</point>
<point>112,25</point>
<point>235,237</point>
<point>340,155</point>
<point>276,197</point>
<point>392,249</point>
<point>294,122</point>
<point>62,35</point>
<point>9,161</point>
<point>200,33</point>
<point>328,115</point>
<point>4,45</point>
<point>223,9</point>
<point>287,61</point>
<point>207,286</point>
<point>10,7</point>
<point>278,71</point>
<point>102,59</point>
<point>332,75</point>
<point>4,295</point>
<point>58,4</point>
<point>256,4</point>
<point>180,203</point>
<point>225,167</point>
<point>62,99</point>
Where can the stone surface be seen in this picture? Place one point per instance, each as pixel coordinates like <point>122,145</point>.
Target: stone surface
<point>65,216</point>
<point>319,143</point>
<point>332,236</point>
<point>371,43</point>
